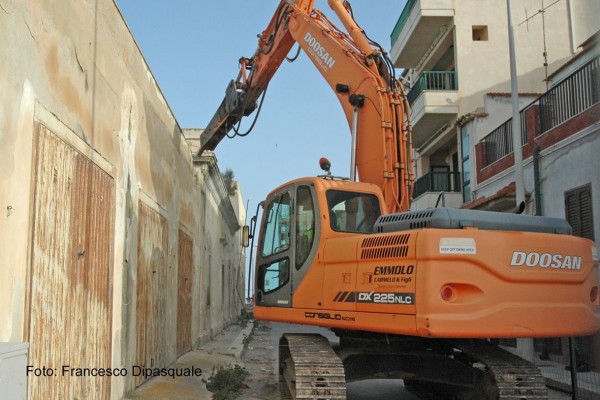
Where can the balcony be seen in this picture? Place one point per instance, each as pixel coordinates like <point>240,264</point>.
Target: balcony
<point>428,187</point>
<point>433,101</point>
<point>437,181</point>
<point>562,111</point>
<point>433,80</point>
<point>417,28</point>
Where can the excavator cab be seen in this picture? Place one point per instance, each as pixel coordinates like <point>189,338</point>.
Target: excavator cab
<point>297,217</point>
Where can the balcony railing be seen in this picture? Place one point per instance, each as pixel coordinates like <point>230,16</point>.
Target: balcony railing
<point>402,20</point>
<point>433,80</point>
<point>437,181</point>
<point>575,94</point>
<point>498,143</point>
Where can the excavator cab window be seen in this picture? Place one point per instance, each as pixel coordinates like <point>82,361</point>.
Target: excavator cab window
<point>276,233</point>
<point>352,211</point>
<point>305,224</point>
<point>274,275</point>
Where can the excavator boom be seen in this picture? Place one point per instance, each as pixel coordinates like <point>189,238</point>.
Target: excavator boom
<point>358,72</point>
<point>242,94</point>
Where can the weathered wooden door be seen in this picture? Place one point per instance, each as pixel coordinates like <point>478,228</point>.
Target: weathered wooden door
<point>151,290</point>
<point>70,303</point>
<point>185,273</point>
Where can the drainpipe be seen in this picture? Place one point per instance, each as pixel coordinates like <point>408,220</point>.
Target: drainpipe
<point>536,180</point>
<point>571,26</point>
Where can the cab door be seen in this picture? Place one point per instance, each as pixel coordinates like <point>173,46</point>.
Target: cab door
<point>287,246</point>
<point>274,253</point>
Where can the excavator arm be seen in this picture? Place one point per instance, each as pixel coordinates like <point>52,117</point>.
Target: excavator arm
<point>358,72</point>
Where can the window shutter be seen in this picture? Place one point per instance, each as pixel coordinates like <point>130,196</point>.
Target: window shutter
<point>578,211</point>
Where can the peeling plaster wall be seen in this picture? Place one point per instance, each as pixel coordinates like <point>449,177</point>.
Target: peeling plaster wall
<point>73,67</point>
<point>224,257</point>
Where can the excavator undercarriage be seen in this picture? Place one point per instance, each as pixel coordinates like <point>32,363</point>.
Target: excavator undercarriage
<point>310,368</point>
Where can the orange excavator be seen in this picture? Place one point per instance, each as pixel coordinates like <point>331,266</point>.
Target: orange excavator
<point>415,295</point>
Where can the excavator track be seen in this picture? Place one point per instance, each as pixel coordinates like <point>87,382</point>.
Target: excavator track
<point>310,369</point>
<point>509,377</point>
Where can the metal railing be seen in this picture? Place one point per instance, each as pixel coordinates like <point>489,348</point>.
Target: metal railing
<point>433,80</point>
<point>402,20</point>
<point>573,95</point>
<point>438,181</point>
<point>498,144</point>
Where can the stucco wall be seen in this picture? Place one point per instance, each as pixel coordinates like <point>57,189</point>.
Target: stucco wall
<point>72,70</point>
<point>483,66</point>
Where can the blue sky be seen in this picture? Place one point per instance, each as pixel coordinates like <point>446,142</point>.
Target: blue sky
<point>193,48</point>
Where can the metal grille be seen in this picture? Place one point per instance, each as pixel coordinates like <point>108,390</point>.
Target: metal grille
<point>392,246</point>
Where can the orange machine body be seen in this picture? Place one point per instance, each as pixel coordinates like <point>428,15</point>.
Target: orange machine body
<point>444,283</point>
<point>320,261</point>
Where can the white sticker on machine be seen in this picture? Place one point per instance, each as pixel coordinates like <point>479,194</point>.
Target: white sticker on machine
<point>458,246</point>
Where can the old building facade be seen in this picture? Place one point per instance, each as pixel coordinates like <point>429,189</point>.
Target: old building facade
<point>118,248</point>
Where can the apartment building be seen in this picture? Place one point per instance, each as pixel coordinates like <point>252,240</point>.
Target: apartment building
<point>455,58</point>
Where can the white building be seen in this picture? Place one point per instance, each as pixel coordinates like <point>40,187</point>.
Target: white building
<point>456,59</point>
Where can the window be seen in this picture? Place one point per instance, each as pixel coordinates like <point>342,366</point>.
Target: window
<point>466,163</point>
<point>276,233</point>
<point>273,276</point>
<point>305,224</point>
<point>480,33</point>
<point>578,211</point>
<point>352,212</point>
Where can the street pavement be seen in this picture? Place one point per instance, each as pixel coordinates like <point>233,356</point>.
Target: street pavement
<point>224,350</point>
<point>259,357</point>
